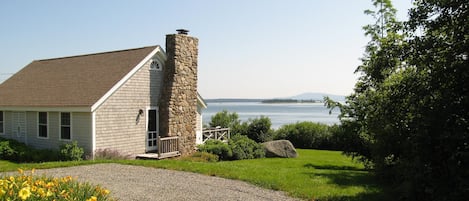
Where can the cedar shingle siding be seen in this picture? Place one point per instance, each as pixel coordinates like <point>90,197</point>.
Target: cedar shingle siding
<point>117,123</point>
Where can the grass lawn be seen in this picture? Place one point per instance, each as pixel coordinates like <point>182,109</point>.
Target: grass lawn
<point>314,175</point>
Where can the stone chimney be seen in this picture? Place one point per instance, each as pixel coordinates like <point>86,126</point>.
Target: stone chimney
<point>178,103</point>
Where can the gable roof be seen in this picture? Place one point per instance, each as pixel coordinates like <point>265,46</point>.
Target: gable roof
<point>74,81</point>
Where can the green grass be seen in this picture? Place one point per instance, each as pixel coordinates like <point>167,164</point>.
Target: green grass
<point>315,174</point>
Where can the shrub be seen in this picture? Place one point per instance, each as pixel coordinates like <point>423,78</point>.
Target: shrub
<point>6,152</point>
<point>43,155</point>
<point>71,152</point>
<point>306,135</point>
<point>239,147</point>
<point>259,129</point>
<point>224,119</point>
<point>217,147</point>
<point>245,148</point>
<point>15,151</point>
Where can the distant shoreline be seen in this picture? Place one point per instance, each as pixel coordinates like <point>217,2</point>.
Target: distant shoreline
<point>265,101</point>
<point>274,101</point>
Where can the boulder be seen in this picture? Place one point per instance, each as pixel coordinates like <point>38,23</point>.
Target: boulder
<point>280,148</point>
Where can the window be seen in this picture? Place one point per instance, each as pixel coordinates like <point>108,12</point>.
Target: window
<point>42,130</point>
<point>65,126</point>
<point>1,122</point>
<point>155,65</point>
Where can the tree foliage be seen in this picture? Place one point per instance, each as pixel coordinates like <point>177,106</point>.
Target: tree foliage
<point>259,129</point>
<point>306,135</point>
<point>225,119</point>
<point>409,110</point>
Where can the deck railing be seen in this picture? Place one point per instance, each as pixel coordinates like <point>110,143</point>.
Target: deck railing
<point>168,147</point>
<point>222,134</point>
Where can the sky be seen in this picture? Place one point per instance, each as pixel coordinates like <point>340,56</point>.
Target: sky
<point>247,48</point>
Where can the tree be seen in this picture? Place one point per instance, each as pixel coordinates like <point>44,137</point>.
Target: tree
<point>259,130</point>
<point>409,107</point>
<point>225,119</point>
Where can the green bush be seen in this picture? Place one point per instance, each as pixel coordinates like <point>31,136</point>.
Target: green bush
<point>245,148</point>
<point>225,119</point>
<point>71,152</point>
<point>306,135</point>
<point>15,151</point>
<point>217,147</point>
<point>239,147</point>
<point>6,152</point>
<point>44,155</point>
<point>259,129</point>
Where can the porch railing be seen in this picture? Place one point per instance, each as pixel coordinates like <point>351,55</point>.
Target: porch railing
<point>222,134</point>
<point>168,147</point>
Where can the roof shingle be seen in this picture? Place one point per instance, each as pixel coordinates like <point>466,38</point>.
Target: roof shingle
<point>69,81</point>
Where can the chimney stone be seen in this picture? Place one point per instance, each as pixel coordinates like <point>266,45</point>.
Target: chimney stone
<point>178,103</point>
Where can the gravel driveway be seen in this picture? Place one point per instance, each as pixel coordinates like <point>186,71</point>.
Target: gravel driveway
<point>127,182</point>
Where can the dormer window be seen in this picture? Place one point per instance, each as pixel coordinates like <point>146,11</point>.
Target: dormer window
<point>156,65</point>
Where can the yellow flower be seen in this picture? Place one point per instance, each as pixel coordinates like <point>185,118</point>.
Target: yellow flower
<point>2,192</point>
<point>41,192</point>
<point>49,193</point>
<point>50,184</point>
<point>20,171</point>
<point>92,198</point>
<point>24,193</point>
<point>105,192</point>
<point>3,183</point>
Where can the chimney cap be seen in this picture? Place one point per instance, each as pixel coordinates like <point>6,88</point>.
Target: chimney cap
<point>182,31</point>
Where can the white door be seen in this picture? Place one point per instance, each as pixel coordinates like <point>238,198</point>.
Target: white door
<point>152,130</point>
<point>19,126</point>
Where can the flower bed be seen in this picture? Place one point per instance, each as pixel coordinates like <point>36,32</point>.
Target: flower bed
<point>29,187</point>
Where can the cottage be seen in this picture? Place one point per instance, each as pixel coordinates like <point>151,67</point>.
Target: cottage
<point>121,100</point>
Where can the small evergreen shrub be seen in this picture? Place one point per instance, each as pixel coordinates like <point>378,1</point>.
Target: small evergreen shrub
<point>71,152</point>
<point>217,147</point>
<point>245,148</point>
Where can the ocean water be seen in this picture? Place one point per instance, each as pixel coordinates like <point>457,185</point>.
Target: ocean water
<point>279,113</point>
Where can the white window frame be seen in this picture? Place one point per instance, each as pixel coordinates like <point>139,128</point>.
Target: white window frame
<point>60,127</point>
<point>39,125</point>
<point>158,63</point>
<point>3,123</point>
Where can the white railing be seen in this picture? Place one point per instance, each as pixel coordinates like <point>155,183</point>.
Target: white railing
<point>222,134</point>
<point>168,147</point>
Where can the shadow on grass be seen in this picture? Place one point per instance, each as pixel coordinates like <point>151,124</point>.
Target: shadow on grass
<point>358,197</point>
<point>347,176</point>
<point>333,167</point>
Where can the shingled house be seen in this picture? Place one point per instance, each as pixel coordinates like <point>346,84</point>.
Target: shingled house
<point>127,100</point>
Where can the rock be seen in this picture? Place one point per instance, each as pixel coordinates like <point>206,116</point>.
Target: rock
<point>280,148</point>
